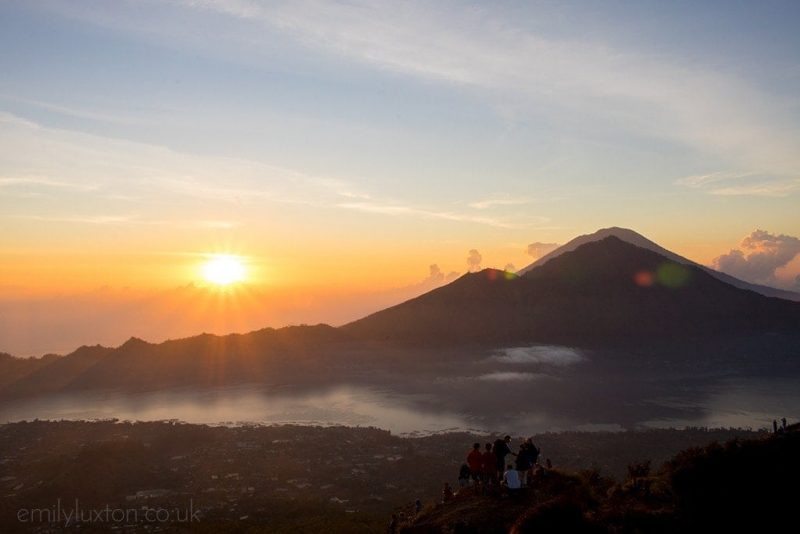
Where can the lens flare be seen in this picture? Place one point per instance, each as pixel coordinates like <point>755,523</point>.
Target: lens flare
<point>644,279</point>
<point>673,275</point>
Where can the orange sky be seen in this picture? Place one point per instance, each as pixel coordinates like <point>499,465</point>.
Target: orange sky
<point>378,269</point>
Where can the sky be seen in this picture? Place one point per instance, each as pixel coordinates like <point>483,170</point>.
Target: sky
<point>353,154</point>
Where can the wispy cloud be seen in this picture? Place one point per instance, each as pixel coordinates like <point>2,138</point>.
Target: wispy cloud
<point>146,169</point>
<point>774,188</point>
<point>134,220</point>
<point>214,224</point>
<point>399,209</point>
<point>498,201</point>
<point>127,169</point>
<point>84,219</point>
<point>741,184</point>
<point>9,119</point>
<point>43,181</point>
<point>701,180</point>
<point>77,112</point>
<point>589,85</point>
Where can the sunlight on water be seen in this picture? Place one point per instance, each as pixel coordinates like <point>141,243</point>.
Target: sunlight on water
<point>341,406</point>
<point>746,403</point>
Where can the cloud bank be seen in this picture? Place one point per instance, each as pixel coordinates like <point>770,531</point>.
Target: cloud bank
<point>759,256</point>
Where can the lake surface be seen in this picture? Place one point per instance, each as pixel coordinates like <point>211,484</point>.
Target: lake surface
<point>521,390</point>
<point>739,402</point>
<point>343,405</point>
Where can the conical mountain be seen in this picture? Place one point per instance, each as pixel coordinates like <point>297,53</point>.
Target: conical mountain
<point>634,238</point>
<point>602,292</point>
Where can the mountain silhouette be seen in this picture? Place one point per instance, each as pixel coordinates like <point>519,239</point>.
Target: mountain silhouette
<point>634,238</point>
<point>603,292</point>
<point>13,369</point>
<point>206,360</point>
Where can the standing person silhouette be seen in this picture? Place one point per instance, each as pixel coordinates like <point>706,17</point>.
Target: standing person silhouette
<point>475,462</point>
<point>501,449</point>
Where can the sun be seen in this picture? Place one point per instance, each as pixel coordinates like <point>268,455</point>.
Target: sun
<point>223,270</point>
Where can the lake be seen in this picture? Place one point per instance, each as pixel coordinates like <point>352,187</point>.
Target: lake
<point>517,405</point>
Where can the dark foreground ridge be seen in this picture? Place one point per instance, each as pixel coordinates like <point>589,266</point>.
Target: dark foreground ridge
<point>748,485</point>
<point>268,479</point>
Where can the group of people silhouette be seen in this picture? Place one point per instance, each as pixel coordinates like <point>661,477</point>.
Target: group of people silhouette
<point>488,469</point>
<point>779,429</point>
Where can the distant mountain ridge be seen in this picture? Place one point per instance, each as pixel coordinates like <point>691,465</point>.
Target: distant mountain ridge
<point>639,240</point>
<point>206,360</point>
